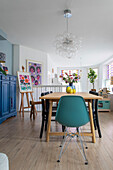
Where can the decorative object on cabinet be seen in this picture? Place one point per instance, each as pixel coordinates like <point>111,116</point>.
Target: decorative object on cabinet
<point>7,97</point>
<point>25,86</point>
<point>2,60</point>
<point>104,105</point>
<point>35,68</point>
<point>5,69</point>
<point>104,92</point>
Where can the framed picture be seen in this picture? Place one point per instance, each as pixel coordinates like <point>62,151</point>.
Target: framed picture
<point>35,68</point>
<point>25,83</point>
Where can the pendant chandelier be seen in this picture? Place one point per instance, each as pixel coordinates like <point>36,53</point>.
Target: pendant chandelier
<point>67,44</point>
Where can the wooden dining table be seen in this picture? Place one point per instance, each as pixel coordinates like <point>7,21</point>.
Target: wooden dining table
<point>55,97</point>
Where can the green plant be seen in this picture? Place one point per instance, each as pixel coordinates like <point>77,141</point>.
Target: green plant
<point>1,70</point>
<point>92,76</point>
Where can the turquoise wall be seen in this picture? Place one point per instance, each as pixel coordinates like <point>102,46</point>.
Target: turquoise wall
<point>6,47</point>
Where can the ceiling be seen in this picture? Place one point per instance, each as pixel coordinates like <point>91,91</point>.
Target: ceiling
<point>35,23</point>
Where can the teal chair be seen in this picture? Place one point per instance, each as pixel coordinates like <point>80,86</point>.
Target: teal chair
<point>72,112</point>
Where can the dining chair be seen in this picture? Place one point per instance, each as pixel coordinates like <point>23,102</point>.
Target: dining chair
<point>45,112</point>
<point>95,113</point>
<point>72,112</point>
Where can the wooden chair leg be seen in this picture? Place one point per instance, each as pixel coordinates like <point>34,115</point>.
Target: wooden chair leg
<point>33,111</point>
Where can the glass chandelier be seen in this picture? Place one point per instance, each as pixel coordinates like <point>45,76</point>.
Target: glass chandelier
<point>67,44</point>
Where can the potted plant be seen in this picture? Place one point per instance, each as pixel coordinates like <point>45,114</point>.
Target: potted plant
<point>92,76</point>
<point>2,71</point>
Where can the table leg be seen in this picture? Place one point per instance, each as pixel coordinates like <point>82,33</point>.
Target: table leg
<point>91,122</point>
<point>49,120</point>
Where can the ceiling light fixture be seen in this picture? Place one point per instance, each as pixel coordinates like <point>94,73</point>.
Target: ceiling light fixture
<point>67,44</point>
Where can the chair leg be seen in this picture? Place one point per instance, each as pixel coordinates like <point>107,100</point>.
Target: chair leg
<point>63,129</point>
<point>46,122</point>
<point>86,147</point>
<point>82,152</point>
<point>61,152</point>
<point>94,120</point>
<point>98,126</point>
<point>42,127</point>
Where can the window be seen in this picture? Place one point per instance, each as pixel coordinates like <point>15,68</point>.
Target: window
<point>109,77</point>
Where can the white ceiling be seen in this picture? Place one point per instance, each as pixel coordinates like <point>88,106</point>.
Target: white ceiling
<point>35,23</point>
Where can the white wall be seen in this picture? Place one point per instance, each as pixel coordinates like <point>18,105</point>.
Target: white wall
<point>20,55</point>
<point>51,64</point>
<point>16,63</point>
<point>16,58</point>
<point>35,55</point>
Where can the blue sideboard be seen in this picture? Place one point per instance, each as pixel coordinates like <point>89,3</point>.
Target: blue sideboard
<point>104,105</point>
<point>7,97</point>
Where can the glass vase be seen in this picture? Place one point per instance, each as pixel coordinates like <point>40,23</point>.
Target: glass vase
<point>71,86</point>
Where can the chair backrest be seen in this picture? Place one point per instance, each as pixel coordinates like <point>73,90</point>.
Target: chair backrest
<point>94,103</point>
<point>93,92</point>
<point>45,105</point>
<point>72,111</point>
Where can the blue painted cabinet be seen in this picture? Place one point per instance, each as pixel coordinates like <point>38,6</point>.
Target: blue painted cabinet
<point>7,97</point>
<point>12,92</point>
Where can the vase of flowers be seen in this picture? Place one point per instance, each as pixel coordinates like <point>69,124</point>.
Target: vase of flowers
<point>70,78</point>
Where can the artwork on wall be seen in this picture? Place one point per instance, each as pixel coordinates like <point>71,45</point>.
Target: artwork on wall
<point>35,68</point>
<point>25,83</point>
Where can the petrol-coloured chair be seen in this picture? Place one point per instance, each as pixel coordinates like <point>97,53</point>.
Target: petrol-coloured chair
<point>72,112</point>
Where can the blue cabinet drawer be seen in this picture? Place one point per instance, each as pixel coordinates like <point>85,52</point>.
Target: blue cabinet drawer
<point>5,77</point>
<point>12,78</point>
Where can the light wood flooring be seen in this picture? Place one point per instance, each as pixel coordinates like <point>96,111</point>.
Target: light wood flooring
<point>19,139</point>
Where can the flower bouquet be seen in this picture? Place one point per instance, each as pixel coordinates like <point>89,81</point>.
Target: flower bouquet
<point>70,78</point>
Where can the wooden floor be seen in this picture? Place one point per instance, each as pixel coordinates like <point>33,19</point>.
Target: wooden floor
<point>19,139</point>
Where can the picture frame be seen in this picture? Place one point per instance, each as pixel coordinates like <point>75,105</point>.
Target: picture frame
<point>35,68</point>
<point>24,80</point>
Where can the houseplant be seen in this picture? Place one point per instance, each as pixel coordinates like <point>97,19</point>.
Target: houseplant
<point>70,78</point>
<point>2,71</point>
<point>92,76</point>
